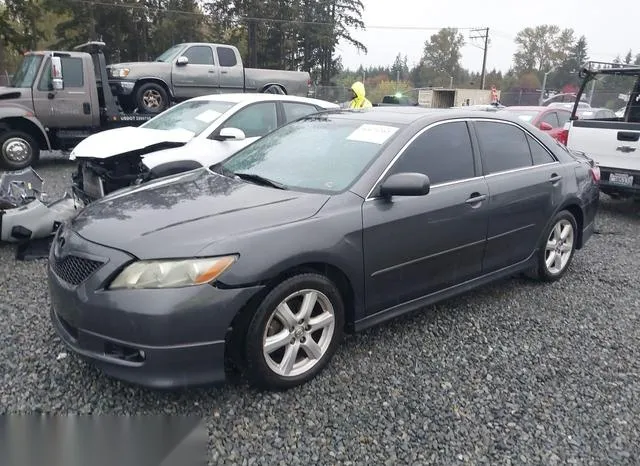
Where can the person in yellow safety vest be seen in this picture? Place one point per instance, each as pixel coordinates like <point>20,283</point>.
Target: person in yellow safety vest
<point>359,100</point>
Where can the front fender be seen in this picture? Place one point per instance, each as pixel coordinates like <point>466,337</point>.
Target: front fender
<point>17,112</point>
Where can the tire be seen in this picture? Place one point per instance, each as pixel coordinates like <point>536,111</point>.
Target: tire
<point>18,150</point>
<point>273,89</point>
<point>152,98</point>
<point>552,273</point>
<point>261,365</point>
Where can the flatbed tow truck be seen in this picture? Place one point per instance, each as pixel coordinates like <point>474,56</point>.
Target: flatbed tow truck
<point>56,99</point>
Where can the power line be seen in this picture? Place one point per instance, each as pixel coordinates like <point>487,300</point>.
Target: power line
<point>262,19</point>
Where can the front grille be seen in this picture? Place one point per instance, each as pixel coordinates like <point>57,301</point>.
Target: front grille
<point>75,270</point>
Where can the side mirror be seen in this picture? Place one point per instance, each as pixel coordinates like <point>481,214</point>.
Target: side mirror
<point>182,61</point>
<point>57,80</point>
<point>405,184</point>
<point>544,126</point>
<point>230,134</point>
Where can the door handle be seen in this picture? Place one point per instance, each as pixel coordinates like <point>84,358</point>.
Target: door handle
<point>221,72</point>
<point>86,108</point>
<point>555,178</point>
<point>475,198</point>
<point>628,136</point>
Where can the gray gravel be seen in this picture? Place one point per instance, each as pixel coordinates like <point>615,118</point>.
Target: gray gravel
<point>514,373</point>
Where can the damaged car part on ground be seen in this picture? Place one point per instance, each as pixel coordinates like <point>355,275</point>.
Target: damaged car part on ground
<point>268,258</point>
<point>197,133</point>
<point>25,213</point>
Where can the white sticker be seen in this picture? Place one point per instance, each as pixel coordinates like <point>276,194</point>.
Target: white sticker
<point>376,134</point>
<point>208,116</point>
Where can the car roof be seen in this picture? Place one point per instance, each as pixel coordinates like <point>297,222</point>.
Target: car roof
<point>239,98</point>
<point>408,115</point>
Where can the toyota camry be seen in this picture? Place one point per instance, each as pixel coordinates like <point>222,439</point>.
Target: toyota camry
<point>330,224</point>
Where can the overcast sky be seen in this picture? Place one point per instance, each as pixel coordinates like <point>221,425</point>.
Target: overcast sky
<point>603,27</point>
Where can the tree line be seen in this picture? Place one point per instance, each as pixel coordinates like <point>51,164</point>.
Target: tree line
<point>282,34</point>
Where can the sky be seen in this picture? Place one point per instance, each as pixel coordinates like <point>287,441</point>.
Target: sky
<point>603,28</point>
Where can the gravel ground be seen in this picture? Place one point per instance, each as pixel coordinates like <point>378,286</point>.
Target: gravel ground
<point>514,373</point>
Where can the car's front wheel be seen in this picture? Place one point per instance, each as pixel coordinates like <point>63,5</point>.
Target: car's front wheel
<point>294,332</point>
<point>558,247</point>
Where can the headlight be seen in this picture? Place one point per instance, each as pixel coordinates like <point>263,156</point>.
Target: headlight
<point>119,72</point>
<point>172,273</point>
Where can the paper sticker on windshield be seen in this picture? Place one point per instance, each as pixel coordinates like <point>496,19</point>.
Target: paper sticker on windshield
<point>376,134</point>
<point>208,116</point>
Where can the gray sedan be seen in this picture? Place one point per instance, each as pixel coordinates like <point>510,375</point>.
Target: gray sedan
<point>331,224</point>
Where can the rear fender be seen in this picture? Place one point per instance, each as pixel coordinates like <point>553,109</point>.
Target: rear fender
<point>21,118</point>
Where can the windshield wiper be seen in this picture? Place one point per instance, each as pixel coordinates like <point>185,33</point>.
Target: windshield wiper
<point>259,179</point>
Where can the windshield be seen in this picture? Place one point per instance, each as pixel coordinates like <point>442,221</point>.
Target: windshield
<point>524,115</point>
<point>26,74</point>
<point>194,116</point>
<point>170,54</point>
<point>325,154</point>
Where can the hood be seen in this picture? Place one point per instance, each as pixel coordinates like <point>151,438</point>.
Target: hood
<point>147,68</point>
<point>359,90</point>
<point>120,141</point>
<point>180,215</point>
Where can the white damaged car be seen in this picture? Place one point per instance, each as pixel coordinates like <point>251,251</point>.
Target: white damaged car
<point>196,133</point>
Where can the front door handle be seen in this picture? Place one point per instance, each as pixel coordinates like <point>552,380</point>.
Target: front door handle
<point>221,72</point>
<point>555,178</point>
<point>476,198</point>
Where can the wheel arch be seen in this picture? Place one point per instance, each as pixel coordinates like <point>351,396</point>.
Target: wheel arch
<point>25,124</point>
<point>146,80</point>
<point>267,86</point>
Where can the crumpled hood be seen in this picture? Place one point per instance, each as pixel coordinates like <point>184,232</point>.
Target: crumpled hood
<point>119,141</point>
<point>180,215</point>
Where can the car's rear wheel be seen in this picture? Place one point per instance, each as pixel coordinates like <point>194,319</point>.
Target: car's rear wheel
<point>294,332</point>
<point>558,247</point>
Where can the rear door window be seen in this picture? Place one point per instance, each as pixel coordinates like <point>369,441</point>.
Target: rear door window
<point>294,110</point>
<point>504,147</point>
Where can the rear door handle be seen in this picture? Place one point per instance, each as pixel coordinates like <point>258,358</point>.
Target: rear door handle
<point>476,198</point>
<point>221,72</point>
<point>628,136</point>
<point>555,178</point>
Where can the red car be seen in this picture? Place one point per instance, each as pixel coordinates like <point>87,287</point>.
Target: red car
<point>549,119</point>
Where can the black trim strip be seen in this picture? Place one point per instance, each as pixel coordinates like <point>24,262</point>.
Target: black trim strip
<point>501,235</point>
<point>424,258</point>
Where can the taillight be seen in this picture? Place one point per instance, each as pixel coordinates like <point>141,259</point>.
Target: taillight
<point>563,136</point>
<point>595,173</point>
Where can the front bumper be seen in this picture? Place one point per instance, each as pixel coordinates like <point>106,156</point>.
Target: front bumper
<point>121,87</point>
<point>166,338</point>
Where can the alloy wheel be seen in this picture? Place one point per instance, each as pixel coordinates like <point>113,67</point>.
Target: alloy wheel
<point>299,333</point>
<point>559,247</point>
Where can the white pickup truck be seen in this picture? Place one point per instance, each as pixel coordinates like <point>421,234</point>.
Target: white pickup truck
<point>613,143</point>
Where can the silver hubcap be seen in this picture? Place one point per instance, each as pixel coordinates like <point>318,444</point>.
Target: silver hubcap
<point>152,99</point>
<point>298,333</point>
<point>16,149</point>
<point>559,247</point>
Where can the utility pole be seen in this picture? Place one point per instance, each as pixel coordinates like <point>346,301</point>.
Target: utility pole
<point>482,33</point>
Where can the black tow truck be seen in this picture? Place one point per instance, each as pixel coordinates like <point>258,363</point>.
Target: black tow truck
<point>56,99</point>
